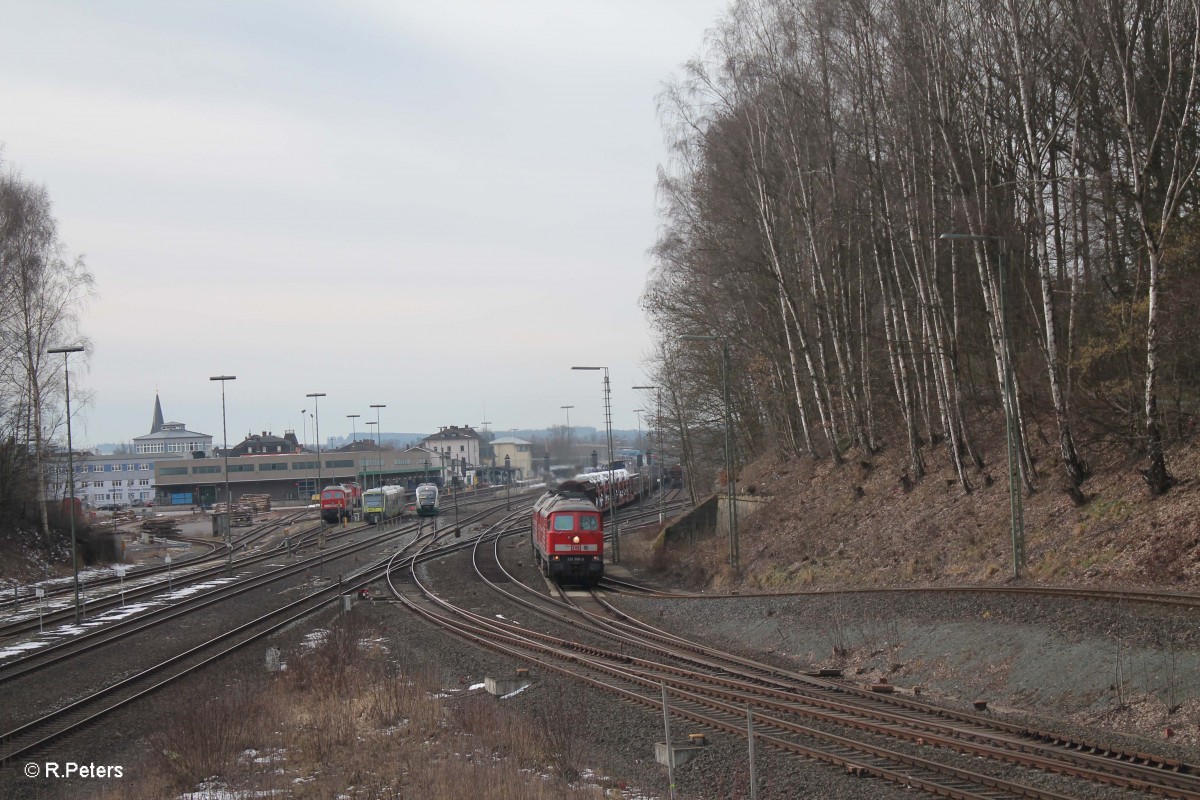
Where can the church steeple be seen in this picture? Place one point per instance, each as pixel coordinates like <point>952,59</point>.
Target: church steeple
<point>157,424</point>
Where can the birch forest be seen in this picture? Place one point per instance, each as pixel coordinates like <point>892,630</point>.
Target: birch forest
<point>885,207</point>
<point>42,291</point>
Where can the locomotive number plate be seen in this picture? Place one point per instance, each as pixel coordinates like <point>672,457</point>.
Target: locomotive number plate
<point>575,548</point>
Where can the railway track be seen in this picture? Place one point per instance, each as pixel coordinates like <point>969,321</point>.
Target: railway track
<point>896,739</point>
<point>36,734</point>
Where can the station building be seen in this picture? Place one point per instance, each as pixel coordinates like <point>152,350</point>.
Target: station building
<point>293,476</point>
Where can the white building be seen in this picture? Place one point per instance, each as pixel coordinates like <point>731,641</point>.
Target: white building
<point>123,480</point>
<point>460,446</point>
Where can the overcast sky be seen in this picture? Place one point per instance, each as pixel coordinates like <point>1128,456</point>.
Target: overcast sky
<point>441,206</point>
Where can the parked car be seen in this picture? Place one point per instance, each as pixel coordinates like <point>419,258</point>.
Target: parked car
<point>110,507</point>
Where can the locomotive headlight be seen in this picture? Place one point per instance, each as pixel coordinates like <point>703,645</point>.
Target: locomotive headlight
<point>575,540</point>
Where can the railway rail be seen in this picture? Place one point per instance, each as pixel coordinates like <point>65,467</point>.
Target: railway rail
<point>36,734</point>
<point>816,717</point>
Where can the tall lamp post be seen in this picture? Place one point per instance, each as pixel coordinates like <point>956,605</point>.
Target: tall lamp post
<point>353,451</point>
<point>454,485</point>
<point>612,496</point>
<point>366,478</point>
<point>507,484</point>
<point>317,433</point>
<point>662,488</point>
<point>568,410</point>
<point>66,354</point>
<point>304,448</point>
<point>379,438</point>
<point>228,499</point>
<point>1016,509</point>
<point>640,449</point>
<point>731,495</point>
<point>317,436</point>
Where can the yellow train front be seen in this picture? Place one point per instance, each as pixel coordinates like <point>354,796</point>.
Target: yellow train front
<point>568,534</point>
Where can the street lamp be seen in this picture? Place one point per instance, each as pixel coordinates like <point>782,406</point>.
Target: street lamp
<point>1015,502</point>
<point>228,499</point>
<point>317,432</point>
<point>66,354</point>
<point>507,484</point>
<point>641,495</point>
<point>661,474</point>
<point>612,497</point>
<point>731,496</point>
<point>366,479</point>
<point>379,438</point>
<point>568,410</point>
<point>353,451</point>
<point>454,485</point>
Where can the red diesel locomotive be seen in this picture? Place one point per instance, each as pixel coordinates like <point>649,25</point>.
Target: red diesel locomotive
<point>339,501</point>
<point>568,534</point>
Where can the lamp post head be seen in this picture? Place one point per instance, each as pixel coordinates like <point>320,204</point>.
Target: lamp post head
<point>379,405</point>
<point>697,337</point>
<point>75,348</point>
<point>315,394</point>
<point>223,378</point>
<point>589,368</point>
<point>643,387</point>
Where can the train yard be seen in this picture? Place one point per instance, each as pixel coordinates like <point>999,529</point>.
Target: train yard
<point>904,741</point>
<point>612,653</point>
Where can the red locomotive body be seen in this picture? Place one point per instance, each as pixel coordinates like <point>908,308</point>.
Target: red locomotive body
<point>568,534</point>
<point>339,501</point>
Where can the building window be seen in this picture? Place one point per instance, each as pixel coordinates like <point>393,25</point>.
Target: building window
<point>271,467</point>
<point>144,482</point>
<point>143,466</point>
<point>340,463</point>
<point>241,468</point>
<point>174,471</point>
<point>205,470</point>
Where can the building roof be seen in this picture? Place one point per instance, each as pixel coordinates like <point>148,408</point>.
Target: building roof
<point>156,424</point>
<point>167,430</point>
<point>453,432</point>
<point>266,442</point>
<point>359,446</point>
<point>509,440</point>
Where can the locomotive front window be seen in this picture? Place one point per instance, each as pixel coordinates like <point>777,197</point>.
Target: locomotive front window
<point>564,522</point>
<point>587,522</point>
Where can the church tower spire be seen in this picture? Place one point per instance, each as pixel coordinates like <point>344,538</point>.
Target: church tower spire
<point>157,424</point>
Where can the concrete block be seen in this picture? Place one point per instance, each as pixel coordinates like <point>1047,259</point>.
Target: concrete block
<point>679,753</point>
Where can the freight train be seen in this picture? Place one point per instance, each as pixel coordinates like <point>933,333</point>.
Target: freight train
<point>615,486</point>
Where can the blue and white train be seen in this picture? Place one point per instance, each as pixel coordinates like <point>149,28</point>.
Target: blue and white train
<point>427,500</point>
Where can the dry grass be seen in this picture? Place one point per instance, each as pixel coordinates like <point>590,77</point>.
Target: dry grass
<point>346,720</point>
<point>820,533</point>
